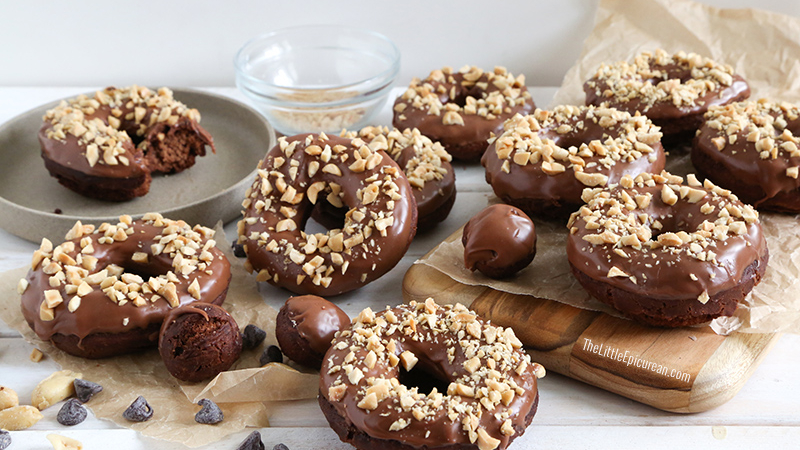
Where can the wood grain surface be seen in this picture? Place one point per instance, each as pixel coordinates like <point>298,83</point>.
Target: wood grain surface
<point>682,370</point>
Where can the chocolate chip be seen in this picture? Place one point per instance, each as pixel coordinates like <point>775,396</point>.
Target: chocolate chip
<point>85,390</point>
<point>139,411</point>
<point>5,439</point>
<point>210,414</point>
<point>271,354</point>
<point>238,250</point>
<point>252,442</point>
<point>72,413</point>
<point>280,447</point>
<point>252,337</point>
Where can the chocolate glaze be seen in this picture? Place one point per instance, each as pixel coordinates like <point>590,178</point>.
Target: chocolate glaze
<point>537,193</point>
<point>435,194</point>
<point>97,313</point>
<point>476,129</point>
<point>317,320</point>
<point>66,159</point>
<point>431,347</point>
<point>739,167</point>
<point>499,241</point>
<point>668,277</point>
<point>365,262</point>
<point>673,119</point>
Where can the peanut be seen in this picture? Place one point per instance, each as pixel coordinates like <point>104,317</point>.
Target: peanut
<point>54,388</point>
<point>19,417</point>
<point>8,398</point>
<point>36,355</point>
<point>64,443</point>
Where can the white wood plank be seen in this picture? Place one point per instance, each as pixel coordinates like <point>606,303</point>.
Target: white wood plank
<point>536,437</point>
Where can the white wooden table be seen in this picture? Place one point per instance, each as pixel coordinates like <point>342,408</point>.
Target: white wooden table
<point>765,413</point>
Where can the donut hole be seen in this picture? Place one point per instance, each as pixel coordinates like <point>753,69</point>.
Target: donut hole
<point>325,217</point>
<point>423,378</point>
<point>672,223</point>
<point>579,138</point>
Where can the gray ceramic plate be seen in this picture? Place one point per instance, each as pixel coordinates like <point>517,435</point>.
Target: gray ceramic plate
<point>210,191</point>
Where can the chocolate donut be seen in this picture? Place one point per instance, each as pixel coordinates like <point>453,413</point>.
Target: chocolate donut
<point>304,169</point>
<point>106,146</point>
<point>305,327</point>
<point>665,253</point>
<point>542,162</point>
<point>751,149</point>
<point>424,376</point>
<point>499,241</point>
<point>426,165</point>
<point>462,109</point>
<point>106,291</point>
<point>198,341</point>
<point>674,91</point>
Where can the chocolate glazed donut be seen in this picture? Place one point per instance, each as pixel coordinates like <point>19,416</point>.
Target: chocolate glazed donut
<point>105,292</point>
<point>424,376</point>
<point>306,169</point>
<point>751,149</point>
<point>106,146</point>
<point>426,165</point>
<point>541,163</point>
<point>674,91</point>
<point>462,109</point>
<point>665,253</point>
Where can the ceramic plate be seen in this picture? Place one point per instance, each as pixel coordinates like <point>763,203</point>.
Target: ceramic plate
<point>210,191</point>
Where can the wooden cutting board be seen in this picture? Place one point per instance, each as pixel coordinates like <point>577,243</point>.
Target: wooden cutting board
<point>683,370</point>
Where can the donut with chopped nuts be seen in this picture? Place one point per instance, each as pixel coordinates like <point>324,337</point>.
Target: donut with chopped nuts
<point>542,162</point>
<point>105,291</point>
<point>462,109</point>
<point>199,340</point>
<point>426,165</point>
<point>423,375</point>
<point>751,148</point>
<point>303,171</point>
<point>666,253</point>
<point>674,91</point>
<point>106,146</point>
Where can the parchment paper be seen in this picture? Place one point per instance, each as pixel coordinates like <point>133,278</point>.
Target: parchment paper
<point>243,393</point>
<point>765,48</point>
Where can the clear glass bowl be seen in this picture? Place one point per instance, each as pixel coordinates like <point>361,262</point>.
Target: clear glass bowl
<point>317,78</point>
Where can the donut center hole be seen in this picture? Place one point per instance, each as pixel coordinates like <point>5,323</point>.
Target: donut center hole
<point>422,378</point>
<point>578,138</point>
<point>324,217</point>
<point>671,224</point>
